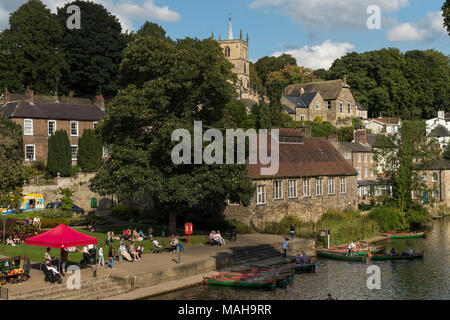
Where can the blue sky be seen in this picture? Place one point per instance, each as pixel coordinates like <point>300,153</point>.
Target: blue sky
<point>314,31</point>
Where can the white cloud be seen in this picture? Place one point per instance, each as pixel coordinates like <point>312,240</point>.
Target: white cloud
<point>4,16</point>
<point>125,10</point>
<point>317,15</point>
<point>426,29</point>
<point>319,56</point>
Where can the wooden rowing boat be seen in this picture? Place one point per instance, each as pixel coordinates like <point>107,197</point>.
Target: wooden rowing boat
<point>405,235</point>
<point>340,256</point>
<point>305,267</point>
<point>395,257</point>
<point>249,283</point>
<point>358,251</point>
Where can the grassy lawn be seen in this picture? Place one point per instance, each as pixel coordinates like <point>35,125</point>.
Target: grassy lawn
<point>37,253</point>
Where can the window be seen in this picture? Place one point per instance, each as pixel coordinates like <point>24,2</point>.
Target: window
<point>370,157</point>
<point>74,128</point>
<point>359,157</point>
<point>278,189</point>
<point>424,177</point>
<point>306,188</point>
<point>227,52</point>
<point>95,124</point>
<point>106,151</point>
<point>366,171</point>
<point>74,152</point>
<point>319,190</point>
<point>28,127</point>
<point>292,188</point>
<point>51,127</point>
<point>302,118</point>
<point>245,67</point>
<point>30,154</point>
<point>435,177</point>
<point>331,186</point>
<point>261,195</point>
<point>342,185</point>
<point>328,105</point>
<point>348,107</point>
<point>365,157</point>
<point>358,169</point>
<point>435,194</point>
<point>317,105</point>
<point>341,107</point>
<point>371,172</point>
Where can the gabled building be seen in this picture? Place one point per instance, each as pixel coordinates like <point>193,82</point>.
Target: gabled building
<point>305,106</point>
<point>439,128</point>
<point>40,120</point>
<point>312,178</point>
<point>436,177</point>
<point>383,125</point>
<point>338,99</point>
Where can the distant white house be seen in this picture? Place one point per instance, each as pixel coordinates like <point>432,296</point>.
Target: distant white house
<point>439,128</point>
<point>383,125</point>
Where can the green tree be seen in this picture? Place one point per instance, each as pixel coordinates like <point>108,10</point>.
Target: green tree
<point>66,200</point>
<point>292,74</point>
<point>89,151</point>
<point>59,154</point>
<point>30,50</point>
<point>446,152</point>
<point>262,115</point>
<point>11,159</point>
<point>94,51</point>
<point>170,86</point>
<point>266,65</point>
<point>274,93</point>
<point>446,15</point>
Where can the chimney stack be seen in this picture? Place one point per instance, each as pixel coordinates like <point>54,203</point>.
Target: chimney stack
<point>29,95</point>
<point>100,102</point>
<point>302,91</point>
<point>6,97</point>
<point>361,136</point>
<point>441,114</point>
<point>344,79</point>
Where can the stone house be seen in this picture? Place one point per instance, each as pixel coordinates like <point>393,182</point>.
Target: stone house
<point>305,106</point>
<point>337,95</point>
<point>383,125</point>
<point>312,178</point>
<point>439,128</point>
<point>40,120</point>
<point>361,111</point>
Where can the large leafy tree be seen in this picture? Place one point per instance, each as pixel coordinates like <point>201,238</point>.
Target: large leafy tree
<point>11,159</point>
<point>59,159</point>
<point>30,51</point>
<point>89,151</point>
<point>266,65</point>
<point>446,15</point>
<point>292,74</point>
<point>170,84</point>
<point>93,52</point>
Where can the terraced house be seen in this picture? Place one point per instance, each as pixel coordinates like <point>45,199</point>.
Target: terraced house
<point>332,100</point>
<point>312,178</point>
<point>40,120</point>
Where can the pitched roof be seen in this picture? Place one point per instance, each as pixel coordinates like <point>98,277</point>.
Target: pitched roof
<point>329,90</point>
<point>386,120</point>
<point>439,131</point>
<point>360,107</point>
<point>301,100</point>
<point>437,164</point>
<point>54,111</point>
<point>311,158</point>
<point>371,140</point>
<point>288,109</point>
<point>248,103</point>
<point>353,147</point>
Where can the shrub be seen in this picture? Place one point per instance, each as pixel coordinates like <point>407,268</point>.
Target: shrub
<point>387,218</point>
<point>67,201</point>
<point>59,154</point>
<point>122,211</point>
<point>417,216</point>
<point>90,151</point>
<point>240,226</point>
<point>51,223</point>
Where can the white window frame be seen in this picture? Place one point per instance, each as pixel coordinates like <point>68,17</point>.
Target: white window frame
<point>366,172</point>
<point>358,169</point>
<point>105,154</point>
<point>359,157</point>
<point>306,187</point>
<point>372,172</point>
<point>30,127</point>
<point>261,195</point>
<point>302,118</point>
<point>292,189</point>
<point>434,194</point>
<point>94,124</point>
<point>74,145</point>
<point>48,127</point>
<point>434,175</point>
<point>34,152</point>
<point>319,187</point>
<point>341,107</point>
<point>331,186</point>
<point>277,189</point>
<point>342,185</point>
<point>317,105</point>
<point>71,133</point>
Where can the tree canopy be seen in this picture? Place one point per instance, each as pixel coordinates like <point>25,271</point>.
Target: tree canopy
<point>266,65</point>
<point>446,15</point>
<point>89,151</point>
<point>59,159</point>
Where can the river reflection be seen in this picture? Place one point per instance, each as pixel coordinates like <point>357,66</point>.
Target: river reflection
<point>426,278</point>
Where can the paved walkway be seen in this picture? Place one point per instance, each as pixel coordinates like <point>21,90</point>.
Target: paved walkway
<point>153,262</point>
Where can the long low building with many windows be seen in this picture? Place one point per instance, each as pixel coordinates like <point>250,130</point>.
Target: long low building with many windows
<point>312,178</point>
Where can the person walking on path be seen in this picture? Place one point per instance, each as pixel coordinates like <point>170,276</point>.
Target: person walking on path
<point>285,245</point>
<point>101,258</point>
<point>292,231</point>
<point>110,257</point>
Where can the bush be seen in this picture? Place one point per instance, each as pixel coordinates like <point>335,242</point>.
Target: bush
<point>90,151</point>
<point>51,223</point>
<point>387,218</point>
<point>417,216</point>
<point>122,211</point>
<point>59,154</point>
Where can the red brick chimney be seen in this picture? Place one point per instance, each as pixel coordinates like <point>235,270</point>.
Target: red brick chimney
<point>29,95</point>
<point>6,97</point>
<point>100,102</point>
<point>361,136</point>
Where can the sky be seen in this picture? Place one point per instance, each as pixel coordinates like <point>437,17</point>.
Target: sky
<point>315,32</point>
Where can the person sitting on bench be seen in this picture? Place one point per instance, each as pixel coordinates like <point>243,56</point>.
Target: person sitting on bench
<point>123,251</point>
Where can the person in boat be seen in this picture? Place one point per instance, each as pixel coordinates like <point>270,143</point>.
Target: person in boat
<point>303,258</point>
<point>408,252</point>
<point>393,252</point>
<point>351,248</point>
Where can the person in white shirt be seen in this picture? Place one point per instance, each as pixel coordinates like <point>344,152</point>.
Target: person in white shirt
<point>351,247</point>
<point>101,258</point>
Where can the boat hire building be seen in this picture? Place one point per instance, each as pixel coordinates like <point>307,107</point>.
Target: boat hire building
<point>312,178</point>
<point>40,120</point>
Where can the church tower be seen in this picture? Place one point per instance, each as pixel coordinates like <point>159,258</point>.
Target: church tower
<point>236,51</point>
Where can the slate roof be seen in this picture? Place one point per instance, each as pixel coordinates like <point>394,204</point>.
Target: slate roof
<point>437,164</point>
<point>439,131</point>
<point>353,147</point>
<point>311,158</point>
<point>54,111</point>
<point>248,103</point>
<point>288,109</point>
<point>371,140</point>
<point>360,107</point>
<point>301,100</point>
<point>329,90</point>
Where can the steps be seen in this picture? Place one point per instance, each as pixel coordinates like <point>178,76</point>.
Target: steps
<point>254,254</point>
<point>95,288</point>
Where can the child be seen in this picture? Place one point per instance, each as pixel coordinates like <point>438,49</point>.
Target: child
<point>101,258</point>
<point>285,244</point>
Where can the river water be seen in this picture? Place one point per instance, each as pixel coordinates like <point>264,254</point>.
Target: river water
<point>427,278</point>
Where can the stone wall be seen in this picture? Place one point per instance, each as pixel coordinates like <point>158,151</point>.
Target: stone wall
<point>306,208</point>
<point>79,184</point>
